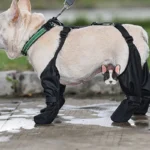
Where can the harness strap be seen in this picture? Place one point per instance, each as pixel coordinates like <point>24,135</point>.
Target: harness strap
<point>125,34</point>
<point>131,79</point>
<point>63,35</point>
<point>46,27</point>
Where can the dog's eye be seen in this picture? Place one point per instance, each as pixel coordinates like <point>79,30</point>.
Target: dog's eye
<point>106,76</point>
<point>114,76</point>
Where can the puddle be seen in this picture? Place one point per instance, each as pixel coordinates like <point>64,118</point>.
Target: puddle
<point>30,111</point>
<point>16,124</point>
<point>105,122</point>
<point>5,138</point>
<point>101,116</point>
<point>13,121</point>
<point>5,110</point>
<point>19,119</point>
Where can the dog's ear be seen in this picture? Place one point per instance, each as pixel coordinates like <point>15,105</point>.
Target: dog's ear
<point>104,69</point>
<point>24,5</point>
<point>14,11</point>
<point>117,69</point>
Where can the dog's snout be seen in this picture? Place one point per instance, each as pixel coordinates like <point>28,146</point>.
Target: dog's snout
<point>110,82</point>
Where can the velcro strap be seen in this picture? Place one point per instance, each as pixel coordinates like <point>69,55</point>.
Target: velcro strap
<point>134,99</point>
<point>48,25</point>
<point>51,100</point>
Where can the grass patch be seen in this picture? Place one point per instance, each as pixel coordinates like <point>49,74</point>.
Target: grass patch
<point>19,64</point>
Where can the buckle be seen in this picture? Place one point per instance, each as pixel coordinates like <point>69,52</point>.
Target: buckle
<point>105,23</point>
<point>134,99</point>
<point>129,39</point>
<point>48,25</point>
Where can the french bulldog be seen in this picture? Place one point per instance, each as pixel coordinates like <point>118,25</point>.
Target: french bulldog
<point>86,52</point>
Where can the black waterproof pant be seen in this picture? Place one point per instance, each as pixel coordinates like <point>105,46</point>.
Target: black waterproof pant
<point>53,90</point>
<point>134,82</point>
<point>50,82</point>
<point>145,92</point>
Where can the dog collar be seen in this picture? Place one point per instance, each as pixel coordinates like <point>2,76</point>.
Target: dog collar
<point>46,27</point>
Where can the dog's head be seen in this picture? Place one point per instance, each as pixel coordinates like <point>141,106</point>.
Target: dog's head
<point>10,22</point>
<point>110,73</point>
<point>16,27</point>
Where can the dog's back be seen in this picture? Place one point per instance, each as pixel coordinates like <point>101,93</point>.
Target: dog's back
<point>87,48</point>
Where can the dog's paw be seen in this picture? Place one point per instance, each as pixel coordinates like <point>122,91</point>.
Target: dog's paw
<point>47,117</point>
<point>62,102</point>
<point>144,106</point>
<point>124,111</point>
<point>43,110</point>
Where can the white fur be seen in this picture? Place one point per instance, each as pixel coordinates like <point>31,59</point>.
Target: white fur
<point>83,53</point>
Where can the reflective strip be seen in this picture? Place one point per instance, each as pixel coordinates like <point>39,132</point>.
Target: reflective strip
<point>32,40</point>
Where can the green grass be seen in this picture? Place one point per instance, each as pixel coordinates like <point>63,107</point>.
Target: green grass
<point>19,64</point>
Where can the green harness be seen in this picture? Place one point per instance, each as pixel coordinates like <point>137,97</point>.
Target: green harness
<point>45,28</point>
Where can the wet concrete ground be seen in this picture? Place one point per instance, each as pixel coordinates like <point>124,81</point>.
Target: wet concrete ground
<point>81,125</point>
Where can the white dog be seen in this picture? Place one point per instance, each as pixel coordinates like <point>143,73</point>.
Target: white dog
<point>84,53</point>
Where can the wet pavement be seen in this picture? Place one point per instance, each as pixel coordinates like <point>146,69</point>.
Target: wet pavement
<point>82,124</point>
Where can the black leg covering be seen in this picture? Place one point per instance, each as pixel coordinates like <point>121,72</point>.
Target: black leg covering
<point>50,82</point>
<point>130,82</point>
<point>61,98</point>
<point>52,88</point>
<point>125,110</point>
<point>144,106</point>
<point>145,92</point>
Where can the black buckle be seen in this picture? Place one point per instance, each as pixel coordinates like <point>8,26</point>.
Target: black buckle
<point>134,99</point>
<point>105,23</point>
<point>64,32</point>
<point>56,21</point>
<point>51,23</point>
<point>48,25</point>
<point>129,39</point>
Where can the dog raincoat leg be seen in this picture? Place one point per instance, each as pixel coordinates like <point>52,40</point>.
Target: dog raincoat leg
<point>130,82</point>
<point>61,97</point>
<point>50,82</point>
<point>145,92</point>
<point>53,90</point>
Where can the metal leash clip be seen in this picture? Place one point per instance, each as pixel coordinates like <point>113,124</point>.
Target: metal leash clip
<point>67,5</point>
